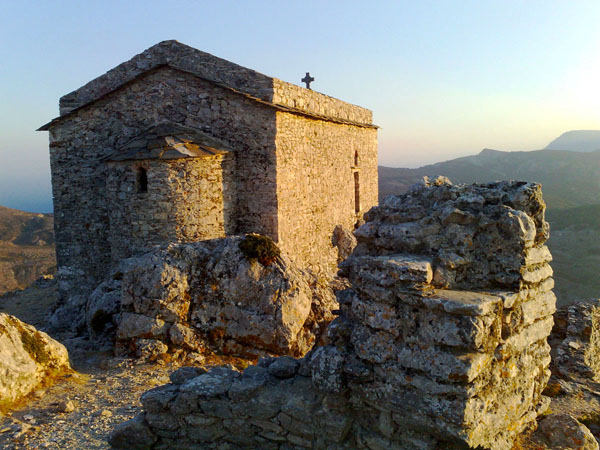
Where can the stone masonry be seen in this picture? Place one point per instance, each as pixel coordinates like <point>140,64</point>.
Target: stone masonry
<point>576,341</point>
<point>187,195</point>
<point>441,342</point>
<point>298,164</point>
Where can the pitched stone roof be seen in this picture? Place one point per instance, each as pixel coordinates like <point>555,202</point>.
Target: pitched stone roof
<point>169,141</point>
<point>244,81</point>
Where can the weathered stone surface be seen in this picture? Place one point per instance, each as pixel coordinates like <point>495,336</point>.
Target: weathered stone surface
<point>564,432</point>
<point>133,434</point>
<point>345,242</point>
<point>102,305</point>
<point>273,181</point>
<point>184,374</point>
<point>408,364</point>
<point>137,325</point>
<point>210,384</point>
<point>500,234</point>
<point>326,369</point>
<point>577,335</point>
<point>149,349</point>
<point>190,296</point>
<point>284,367</point>
<point>28,357</point>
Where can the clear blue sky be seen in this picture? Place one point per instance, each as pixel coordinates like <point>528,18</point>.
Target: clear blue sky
<point>444,78</point>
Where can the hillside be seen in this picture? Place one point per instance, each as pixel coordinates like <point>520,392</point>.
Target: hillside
<point>569,179</point>
<point>571,186</point>
<point>575,246</point>
<point>577,141</point>
<point>26,248</point>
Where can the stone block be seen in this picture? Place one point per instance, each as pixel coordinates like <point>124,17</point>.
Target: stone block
<point>136,325</point>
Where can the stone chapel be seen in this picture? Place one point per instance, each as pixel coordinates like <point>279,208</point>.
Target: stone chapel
<point>177,145</point>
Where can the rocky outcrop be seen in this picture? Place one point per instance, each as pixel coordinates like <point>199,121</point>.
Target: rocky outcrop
<point>564,432</point>
<point>344,241</point>
<point>28,358</point>
<point>576,340</point>
<point>186,297</point>
<point>441,340</point>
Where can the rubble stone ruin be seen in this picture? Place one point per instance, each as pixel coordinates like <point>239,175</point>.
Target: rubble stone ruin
<point>176,145</point>
<point>441,341</point>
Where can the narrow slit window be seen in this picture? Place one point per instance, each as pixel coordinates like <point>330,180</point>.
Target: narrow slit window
<point>356,158</point>
<point>356,193</point>
<point>142,180</point>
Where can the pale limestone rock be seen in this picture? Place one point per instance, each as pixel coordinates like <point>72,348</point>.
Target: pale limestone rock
<point>137,325</point>
<point>345,242</point>
<point>28,357</point>
<point>149,349</point>
<point>578,333</point>
<point>407,365</point>
<point>564,432</point>
<point>102,305</point>
<point>66,406</point>
<point>208,294</point>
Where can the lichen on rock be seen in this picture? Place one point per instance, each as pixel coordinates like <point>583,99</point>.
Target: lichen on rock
<point>28,359</point>
<point>261,248</point>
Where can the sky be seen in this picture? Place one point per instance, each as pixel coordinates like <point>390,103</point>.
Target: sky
<point>443,78</point>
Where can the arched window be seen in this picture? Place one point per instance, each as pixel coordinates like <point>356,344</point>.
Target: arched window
<point>356,158</point>
<point>142,180</point>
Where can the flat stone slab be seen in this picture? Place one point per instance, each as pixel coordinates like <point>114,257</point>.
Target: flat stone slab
<point>463,302</point>
<point>388,270</point>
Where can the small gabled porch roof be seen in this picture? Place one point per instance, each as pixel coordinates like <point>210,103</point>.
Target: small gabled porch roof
<point>169,140</point>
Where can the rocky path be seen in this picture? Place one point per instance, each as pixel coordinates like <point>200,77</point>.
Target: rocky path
<point>81,410</point>
<point>103,392</point>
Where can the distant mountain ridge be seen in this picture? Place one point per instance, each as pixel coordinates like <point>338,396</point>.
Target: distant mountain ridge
<point>577,141</point>
<point>569,179</point>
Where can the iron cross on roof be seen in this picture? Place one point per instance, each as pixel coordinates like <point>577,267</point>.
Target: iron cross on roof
<point>307,79</point>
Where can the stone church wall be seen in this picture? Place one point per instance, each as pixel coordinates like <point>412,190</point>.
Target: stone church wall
<point>294,96</point>
<point>316,184</point>
<point>191,60</point>
<point>409,364</point>
<point>187,200</point>
<point>79,177</point>
<point>265,121</point>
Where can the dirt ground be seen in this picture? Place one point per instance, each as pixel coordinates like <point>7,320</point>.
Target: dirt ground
<point>104,390</point>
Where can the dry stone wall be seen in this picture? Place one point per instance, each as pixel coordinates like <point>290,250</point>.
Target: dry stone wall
<point>576,340</point>
<point>314,102</point>
<point>426,354</point>
<point>186,200</point>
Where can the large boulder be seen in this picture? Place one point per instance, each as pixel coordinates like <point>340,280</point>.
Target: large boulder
<point>28,358</point>
<point>220,293</point>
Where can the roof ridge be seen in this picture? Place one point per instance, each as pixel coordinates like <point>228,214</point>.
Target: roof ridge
<point>177,55</point>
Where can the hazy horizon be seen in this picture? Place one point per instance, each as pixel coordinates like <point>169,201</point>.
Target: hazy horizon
<point>443,79</point>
